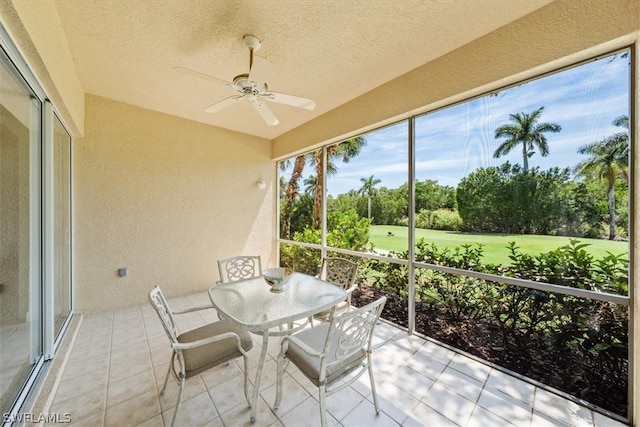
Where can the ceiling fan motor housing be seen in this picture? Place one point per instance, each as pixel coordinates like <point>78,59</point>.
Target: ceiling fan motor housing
<point>242,83</point>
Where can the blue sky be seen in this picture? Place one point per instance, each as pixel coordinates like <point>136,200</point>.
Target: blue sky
<point>452,142</point>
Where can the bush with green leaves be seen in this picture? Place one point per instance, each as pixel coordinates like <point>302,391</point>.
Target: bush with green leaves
<point>598,329</point>
<point>439,219</point>
<point>524,316</point>
<point>508,199</point>
<point>571,265</point>
<point>345,230</point>
<point>300,258</point>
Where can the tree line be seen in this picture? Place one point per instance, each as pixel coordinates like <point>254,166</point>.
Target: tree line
<point>588,200</point>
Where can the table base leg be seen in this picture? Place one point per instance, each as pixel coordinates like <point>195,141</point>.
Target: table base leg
<point>260,368</point>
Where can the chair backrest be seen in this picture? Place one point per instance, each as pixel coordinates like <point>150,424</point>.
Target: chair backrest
<point>350,334</point>
<point>339,271</point>
<point>239,268</point>
<point>159,303</point>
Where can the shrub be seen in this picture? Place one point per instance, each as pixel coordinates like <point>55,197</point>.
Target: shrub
<point>439,219</point>
<point>345,231</point>
<point>525,317</point>
<point>445,219</point>
<point>507,199</point>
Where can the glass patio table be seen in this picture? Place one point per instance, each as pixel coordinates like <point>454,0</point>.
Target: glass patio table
<point>251,304</point>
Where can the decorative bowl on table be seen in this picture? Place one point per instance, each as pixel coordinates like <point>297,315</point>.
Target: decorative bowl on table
<point>276,278</point>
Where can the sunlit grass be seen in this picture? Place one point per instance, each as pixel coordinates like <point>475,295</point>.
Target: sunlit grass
<point>494,245</point>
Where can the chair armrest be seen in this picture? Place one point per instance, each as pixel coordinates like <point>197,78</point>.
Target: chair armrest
<point>189,310</point>
<point>349,292</point>
<point>209,340</point>
<point>351,288</point>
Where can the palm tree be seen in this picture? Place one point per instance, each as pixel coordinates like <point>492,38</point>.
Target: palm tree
<point>291,192</point>
<point>345,151</point>
<point>609,160</point>
<point>524,130</point>
<point>622,138</point>
<point>621,121</point>
<point>310,184</point>
<point>368,190</point>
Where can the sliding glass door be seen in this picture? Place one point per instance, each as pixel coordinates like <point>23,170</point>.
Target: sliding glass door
<point>61,226</point>
<point>35,229</point>
<point>20,291</point>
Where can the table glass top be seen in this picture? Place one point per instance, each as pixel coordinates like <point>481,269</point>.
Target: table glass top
<point>252,304</point>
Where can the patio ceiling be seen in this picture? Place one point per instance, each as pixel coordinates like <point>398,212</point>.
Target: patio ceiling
<point>328,51</point>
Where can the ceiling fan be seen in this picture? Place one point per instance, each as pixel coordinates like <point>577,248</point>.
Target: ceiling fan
<point>252,87</point>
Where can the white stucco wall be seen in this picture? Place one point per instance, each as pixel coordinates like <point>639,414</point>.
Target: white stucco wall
<point>164,197</point>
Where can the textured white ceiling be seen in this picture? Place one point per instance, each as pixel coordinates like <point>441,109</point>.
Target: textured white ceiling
<point>330,51</point>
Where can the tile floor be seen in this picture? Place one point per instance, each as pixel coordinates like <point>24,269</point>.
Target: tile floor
<point>14,356</point>
<point>115,370</point>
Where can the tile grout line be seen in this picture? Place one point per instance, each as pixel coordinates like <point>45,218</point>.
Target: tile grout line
<point>475,404</point>
<point>62,368</point>
<point>369,397</point>
<point>533,404</point>
<point>215,407</point>
<point>435,381</point>
<point>106,394</point>
<point>153,371</point>
<point>491,389</point>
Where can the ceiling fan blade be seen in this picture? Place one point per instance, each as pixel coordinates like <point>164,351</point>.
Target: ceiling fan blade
<point>222,104</point>
<point>266,113</point>
<point>200,75</point>
<point>260,70</point>
<point>294,101</point>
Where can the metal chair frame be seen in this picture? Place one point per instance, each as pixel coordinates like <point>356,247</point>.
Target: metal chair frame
<point>159,303</point>
<point>239,268</point>
<point>341,272</point>
<point>344,357</point>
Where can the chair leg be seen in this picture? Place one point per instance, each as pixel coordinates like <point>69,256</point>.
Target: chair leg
<point>166,378</point>
<point>175,413</point>
<point>280,374</point>
<point>246,379</point>
<point>373,386</point>
<point>323,406</point>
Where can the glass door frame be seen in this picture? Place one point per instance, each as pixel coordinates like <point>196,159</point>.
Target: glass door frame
<point>51,340</point>
<point>43,341</point>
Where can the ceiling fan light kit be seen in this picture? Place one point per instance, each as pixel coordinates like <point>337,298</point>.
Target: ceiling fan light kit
<point>252,86</point>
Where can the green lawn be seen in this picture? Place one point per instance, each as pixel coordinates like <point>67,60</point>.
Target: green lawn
<point>495,245</point>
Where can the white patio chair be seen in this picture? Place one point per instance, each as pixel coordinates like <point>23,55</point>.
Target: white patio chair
<point>333,354</point>
<point>341,272</point>
<point>239,268</point>
<point>199,349</point>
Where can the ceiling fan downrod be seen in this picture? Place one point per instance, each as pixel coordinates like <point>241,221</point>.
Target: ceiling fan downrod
<point>252,43</point>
